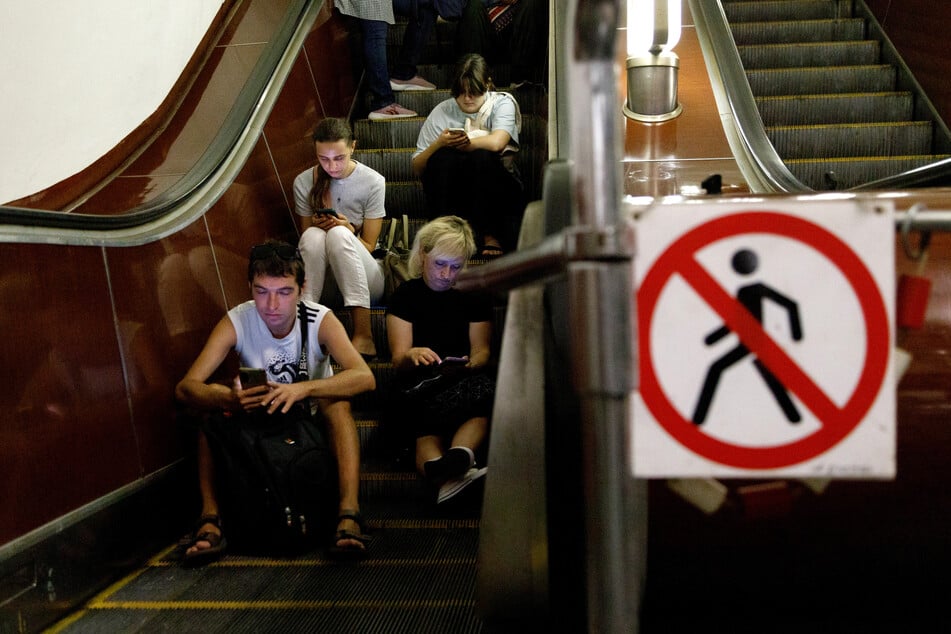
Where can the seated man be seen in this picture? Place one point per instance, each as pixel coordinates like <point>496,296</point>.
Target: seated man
<point>266,334</point>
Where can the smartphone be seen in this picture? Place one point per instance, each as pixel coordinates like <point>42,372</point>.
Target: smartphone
<point>252,377</point>
<point>328,212</point>
<point>458,130</point>
<point>454,360</point>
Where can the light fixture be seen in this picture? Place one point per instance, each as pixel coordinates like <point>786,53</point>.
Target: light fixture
<point>653,29</point>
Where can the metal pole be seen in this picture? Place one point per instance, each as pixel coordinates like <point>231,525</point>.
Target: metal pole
<point>600,308</point>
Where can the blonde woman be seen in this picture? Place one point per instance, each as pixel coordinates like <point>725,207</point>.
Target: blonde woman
<point>440,341</point>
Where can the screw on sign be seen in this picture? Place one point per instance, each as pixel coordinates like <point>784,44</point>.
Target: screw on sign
<point>742,315</point>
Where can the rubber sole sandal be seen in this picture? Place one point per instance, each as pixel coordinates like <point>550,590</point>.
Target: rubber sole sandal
<point>349,552</point>
<point>217,544</point>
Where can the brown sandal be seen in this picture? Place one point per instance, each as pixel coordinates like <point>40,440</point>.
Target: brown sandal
<point>216,543</point>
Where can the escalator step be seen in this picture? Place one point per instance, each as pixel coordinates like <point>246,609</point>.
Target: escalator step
<point>842,140</point>
<point>798,31</point>
<point>851,172</point>
<point>838,108</point>
<point>849,53</point>
<point>822,80</point>
<point>785,10</point>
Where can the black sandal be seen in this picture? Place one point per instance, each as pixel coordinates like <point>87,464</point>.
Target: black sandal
<point>350,552</point>
<point>216,543</point>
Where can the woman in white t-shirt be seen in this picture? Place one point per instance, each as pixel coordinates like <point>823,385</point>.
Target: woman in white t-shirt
<point>465,157</point>
<point>340,207</point>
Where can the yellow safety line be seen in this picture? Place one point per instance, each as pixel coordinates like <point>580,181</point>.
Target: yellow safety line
<point>316,563</point>
<point>280,605</point>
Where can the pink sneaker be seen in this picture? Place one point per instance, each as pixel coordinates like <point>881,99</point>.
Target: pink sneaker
<point>392,111</point>
<point>415,83</point>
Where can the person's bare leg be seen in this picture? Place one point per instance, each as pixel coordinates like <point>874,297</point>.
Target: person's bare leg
<point>427,448</point>
<point>206,486</point>
<point>471,433</point>
<point>345,443</point>
<point>362,331</point>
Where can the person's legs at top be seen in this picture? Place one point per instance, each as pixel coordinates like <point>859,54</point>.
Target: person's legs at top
<point>382,102</point>
<point>527,41</point>
<point>475,34</point>
<point>422,19</point>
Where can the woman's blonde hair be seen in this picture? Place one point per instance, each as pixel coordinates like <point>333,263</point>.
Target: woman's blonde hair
<point>449,236</point>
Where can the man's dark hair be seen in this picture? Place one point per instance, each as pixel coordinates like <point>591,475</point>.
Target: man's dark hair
<point>276,259</point>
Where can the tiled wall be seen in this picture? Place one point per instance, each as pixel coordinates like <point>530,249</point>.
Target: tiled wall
<point>96,338</point>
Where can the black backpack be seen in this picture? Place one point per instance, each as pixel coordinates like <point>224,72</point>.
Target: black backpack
<point>276,477</point>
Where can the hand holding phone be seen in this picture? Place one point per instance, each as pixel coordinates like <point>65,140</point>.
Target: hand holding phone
<point>328,212</point>
<point>252,377</point>
<point>452,365</point>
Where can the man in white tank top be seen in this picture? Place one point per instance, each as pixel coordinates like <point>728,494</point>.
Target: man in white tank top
<point>266,334</point>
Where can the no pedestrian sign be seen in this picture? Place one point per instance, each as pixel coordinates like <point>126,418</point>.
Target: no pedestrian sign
<point>765,340</point>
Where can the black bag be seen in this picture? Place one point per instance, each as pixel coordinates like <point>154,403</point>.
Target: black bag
<point>276,475</point>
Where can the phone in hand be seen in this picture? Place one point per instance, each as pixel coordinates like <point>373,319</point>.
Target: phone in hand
<point>252,377</point>
<point>452,365</point>
<point>328,212</point>
<point>458,130</point>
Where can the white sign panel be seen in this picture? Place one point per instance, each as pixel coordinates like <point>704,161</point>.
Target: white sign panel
<point>765,338</point>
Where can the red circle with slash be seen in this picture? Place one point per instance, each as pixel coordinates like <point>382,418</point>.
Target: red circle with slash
<point>835,422</point>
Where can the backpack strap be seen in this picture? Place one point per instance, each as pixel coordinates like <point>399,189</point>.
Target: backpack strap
<point>302,361</point>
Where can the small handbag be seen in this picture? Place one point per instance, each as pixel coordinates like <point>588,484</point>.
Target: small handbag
<point>395,260</point>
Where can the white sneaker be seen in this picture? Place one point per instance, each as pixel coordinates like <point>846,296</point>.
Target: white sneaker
<point>392,111</point>
<point>453,487</point>
<point>414,83</point>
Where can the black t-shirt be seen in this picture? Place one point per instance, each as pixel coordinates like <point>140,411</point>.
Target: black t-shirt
<point>440,318</point>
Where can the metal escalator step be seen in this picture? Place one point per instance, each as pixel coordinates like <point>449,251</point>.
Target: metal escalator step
<point>785,10</point>
<point>786,55</point>
<point>822,80</point>
<point>394,164</point>
<point>392,133</point>
<point>851,172</point>
<point>838,108</point>
<point>402,133</point>
<point>798,31</point>
<point>860,139</point>
<point>405,197</point>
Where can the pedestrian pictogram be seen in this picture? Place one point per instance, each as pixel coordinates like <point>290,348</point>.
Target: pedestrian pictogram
<point>764,342</point>
<point>751,297</point>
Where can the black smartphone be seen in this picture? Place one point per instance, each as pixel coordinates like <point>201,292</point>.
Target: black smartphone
<point>252,377</point>
<point>454,360</point>
<point>328,212</point>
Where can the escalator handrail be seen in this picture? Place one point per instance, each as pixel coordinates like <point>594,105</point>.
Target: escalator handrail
<point>212,174</point>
